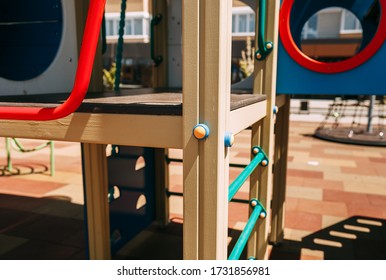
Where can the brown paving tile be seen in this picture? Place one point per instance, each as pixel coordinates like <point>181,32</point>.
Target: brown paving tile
<point>345,197</point>
<point>325,184</point>
<point>366,210</point>
<point>359,171</point>
<point>377,200</point>
<point>338,209</point>
<point>38,250</point>
<point>291,203</point>
<point>25,187</point>
<point>51,229</point>
<point>77,240</point>
<point>303,220</point>
<point>237,212</point>
<point>22,203</point>
<point>14,219</point>
<point>378,160</point>
<point>305,174</point>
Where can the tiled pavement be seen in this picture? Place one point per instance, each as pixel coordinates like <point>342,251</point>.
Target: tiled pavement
<point>335,204</point>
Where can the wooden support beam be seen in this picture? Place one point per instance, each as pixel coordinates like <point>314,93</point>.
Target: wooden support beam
<point>280,173</point>
<point>215,54</point>
<point>96,191</point>
<point>190,81</point>
<point>263,132</point>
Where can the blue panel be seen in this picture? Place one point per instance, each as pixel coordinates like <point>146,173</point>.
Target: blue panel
<point>126,221</point>
<point>30,33</point>
<point>366,79</point>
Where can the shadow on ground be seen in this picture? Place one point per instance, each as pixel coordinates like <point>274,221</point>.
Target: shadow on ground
<point>356,238</point>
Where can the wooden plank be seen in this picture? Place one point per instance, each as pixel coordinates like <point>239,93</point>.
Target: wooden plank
<point>160,80</point>
<point>281,100</point>
<point>161,185</point>
<point>243,118</point>
<point>130,130</point>
<point>215,54</point>
<point>96,183</point>
<point>160,77</point>
<point>190,81</point>
<point>261,179</point>
<point>280,173</point>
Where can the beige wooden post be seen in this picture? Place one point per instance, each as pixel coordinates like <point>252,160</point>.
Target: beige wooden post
<point>96,183</point>
<point>190,81</point>
<point>160,80</point>
<point>215,55</point>
<point>95,164</point>
<point>280,172</point>
<point>263,132</point>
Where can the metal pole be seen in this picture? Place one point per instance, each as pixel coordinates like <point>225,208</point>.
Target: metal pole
<point>243,239</point>
<point>239,181</point>
<point>370,114</point>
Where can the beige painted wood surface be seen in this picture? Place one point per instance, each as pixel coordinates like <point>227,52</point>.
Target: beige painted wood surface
<point>263,133</point>
<point>132,130</point>
<point>215,53</point>
<point>280,173</point>
<point>96,182</point>
<point>190,80</point>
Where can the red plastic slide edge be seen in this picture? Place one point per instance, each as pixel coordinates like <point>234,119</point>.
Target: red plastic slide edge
<point>324,67</point>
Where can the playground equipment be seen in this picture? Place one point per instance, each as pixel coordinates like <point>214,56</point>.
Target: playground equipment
<point>360,121</point>
<point>18,146</point>
<point>359,75</point>
<point>155,118</point>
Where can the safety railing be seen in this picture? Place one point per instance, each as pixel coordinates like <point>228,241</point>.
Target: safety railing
<point>82,76</point>
<point>258,209</point>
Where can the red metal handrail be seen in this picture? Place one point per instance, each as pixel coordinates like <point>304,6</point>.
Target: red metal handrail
<point>82,76</point>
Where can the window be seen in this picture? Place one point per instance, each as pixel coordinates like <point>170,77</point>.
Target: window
<point>350,23</point>
<point>243,21</point>
<point>136,25</point>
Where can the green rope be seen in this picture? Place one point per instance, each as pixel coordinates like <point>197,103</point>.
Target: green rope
<point>118,59</point>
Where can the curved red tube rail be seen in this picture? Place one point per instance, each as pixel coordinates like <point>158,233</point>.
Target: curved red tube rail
<point>82,76</point>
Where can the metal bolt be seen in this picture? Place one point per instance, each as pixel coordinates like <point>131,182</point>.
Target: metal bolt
<point>263,215</point>
<point>269,46</point>
<point>253,203</point>
<point>255,150</point>
<point>258,56</point>
<point>264,162</point>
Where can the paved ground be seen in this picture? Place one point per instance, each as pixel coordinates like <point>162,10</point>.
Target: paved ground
<point>335,204</point>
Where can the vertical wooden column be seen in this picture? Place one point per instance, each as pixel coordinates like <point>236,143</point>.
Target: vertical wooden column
<point>214,106</point>
<point>280,173</point>
<point>160,80</point>
<point>190,81</point>
<point>160,43</point>
<point>96,183</point>
<point>263,132</point>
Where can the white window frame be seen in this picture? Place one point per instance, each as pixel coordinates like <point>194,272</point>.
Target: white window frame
<point>238,11</point>
<point>358,26</point>
<point>129,16</point>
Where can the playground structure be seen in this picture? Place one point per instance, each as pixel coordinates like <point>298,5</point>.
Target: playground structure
<point>212,113</point>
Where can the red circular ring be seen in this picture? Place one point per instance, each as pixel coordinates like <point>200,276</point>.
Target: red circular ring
<point>327,67</point>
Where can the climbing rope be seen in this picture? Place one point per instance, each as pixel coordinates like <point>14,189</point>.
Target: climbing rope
<point>118,58</point>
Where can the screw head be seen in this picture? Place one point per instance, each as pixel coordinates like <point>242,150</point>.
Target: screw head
<point>264,162</point>
<point>263,215</point>
<point>253,203</point>
<point>269,45</point>
<point>258,55</point>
